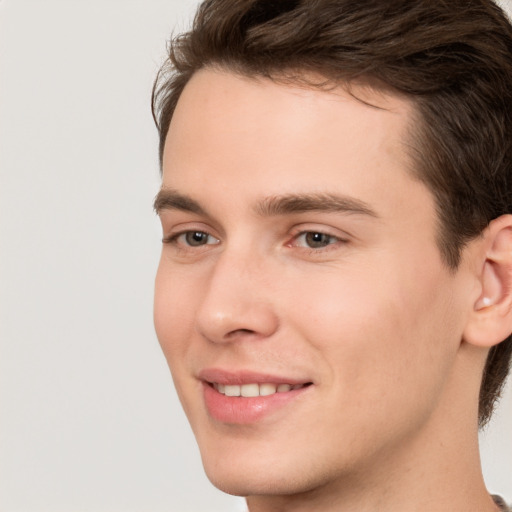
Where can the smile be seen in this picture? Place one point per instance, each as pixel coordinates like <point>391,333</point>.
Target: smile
<point>255,389</point>
<point>249,402</point>
<point>247,397</point>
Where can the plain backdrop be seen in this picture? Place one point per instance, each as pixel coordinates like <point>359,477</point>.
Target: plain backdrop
<point>89,421</point>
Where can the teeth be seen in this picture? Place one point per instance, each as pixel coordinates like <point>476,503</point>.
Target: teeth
<point>233,390</point>
<point>267,389</point>
<point>253,390</point>
<point>249,390</point>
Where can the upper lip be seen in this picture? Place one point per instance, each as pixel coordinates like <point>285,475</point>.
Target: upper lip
<point>230,377</point>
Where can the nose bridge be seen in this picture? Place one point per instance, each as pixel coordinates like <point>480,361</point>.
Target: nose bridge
<point>237,302</point>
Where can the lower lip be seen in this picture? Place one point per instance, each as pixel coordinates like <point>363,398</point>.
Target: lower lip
<point>245,410</point>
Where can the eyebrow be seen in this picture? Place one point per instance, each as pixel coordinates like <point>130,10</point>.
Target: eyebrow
<point>301,203</point>
<point>169,199</point>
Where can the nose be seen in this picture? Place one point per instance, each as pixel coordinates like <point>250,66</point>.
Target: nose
<point>237,303</point>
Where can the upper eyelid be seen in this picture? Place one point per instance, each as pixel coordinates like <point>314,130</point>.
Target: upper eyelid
<point>177,234</point>
<point>337,239</point>
<point>319,232</point>
<point>172,224</point>
<point>185,226</point>
<point>316,228</point>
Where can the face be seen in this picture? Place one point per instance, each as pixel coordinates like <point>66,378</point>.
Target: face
<point>299,269</point>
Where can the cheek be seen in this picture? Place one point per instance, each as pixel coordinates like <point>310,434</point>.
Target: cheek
<point>380,330</point>
<point>174,302</point>
<point>172,312</point>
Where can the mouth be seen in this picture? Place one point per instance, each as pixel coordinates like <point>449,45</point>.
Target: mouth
<point>255,389</point>
<point>248,398</point>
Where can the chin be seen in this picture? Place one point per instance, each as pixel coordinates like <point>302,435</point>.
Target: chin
<point>235,473</point>
<point>239,475</point>
<point>253,484</point>
<point>243,485</point>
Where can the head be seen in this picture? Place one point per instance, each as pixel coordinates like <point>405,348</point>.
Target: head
<point>281,124</point>
<point>451,60</point>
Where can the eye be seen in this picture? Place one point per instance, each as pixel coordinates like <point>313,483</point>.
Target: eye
<point>315,239</point>
<point>192,239</point>
<point>196,238</point>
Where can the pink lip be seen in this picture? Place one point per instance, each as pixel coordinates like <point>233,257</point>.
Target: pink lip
<point>245,377</point>
<point>242,410</point>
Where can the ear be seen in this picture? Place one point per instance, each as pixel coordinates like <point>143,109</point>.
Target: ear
<point>490,321</point>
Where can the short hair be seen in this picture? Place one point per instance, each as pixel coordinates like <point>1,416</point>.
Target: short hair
<point>451,58</point>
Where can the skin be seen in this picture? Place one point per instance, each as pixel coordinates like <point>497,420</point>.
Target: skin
<point>373,318</point>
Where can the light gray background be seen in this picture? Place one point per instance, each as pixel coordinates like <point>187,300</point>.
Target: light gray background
<point>88,417</point>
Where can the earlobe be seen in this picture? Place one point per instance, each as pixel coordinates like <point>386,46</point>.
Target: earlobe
<point>491,319</point>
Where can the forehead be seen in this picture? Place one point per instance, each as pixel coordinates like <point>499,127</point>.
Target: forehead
<point>283,138</point>
<point>213,98</point>
<point>217,88</point>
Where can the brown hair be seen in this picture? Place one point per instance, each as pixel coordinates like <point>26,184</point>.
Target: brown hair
<point>452,58</point>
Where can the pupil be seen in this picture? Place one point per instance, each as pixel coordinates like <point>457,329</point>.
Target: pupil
<point>316,240</point>
<point>196,238</point>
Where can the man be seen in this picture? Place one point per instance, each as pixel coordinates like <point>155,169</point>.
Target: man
<point>334,296</point>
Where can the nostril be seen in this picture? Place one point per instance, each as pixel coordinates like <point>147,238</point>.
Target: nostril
<point>240,331</point>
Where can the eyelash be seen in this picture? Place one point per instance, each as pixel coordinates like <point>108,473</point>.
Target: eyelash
<point>174,238</point>
<point>334,240</point>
